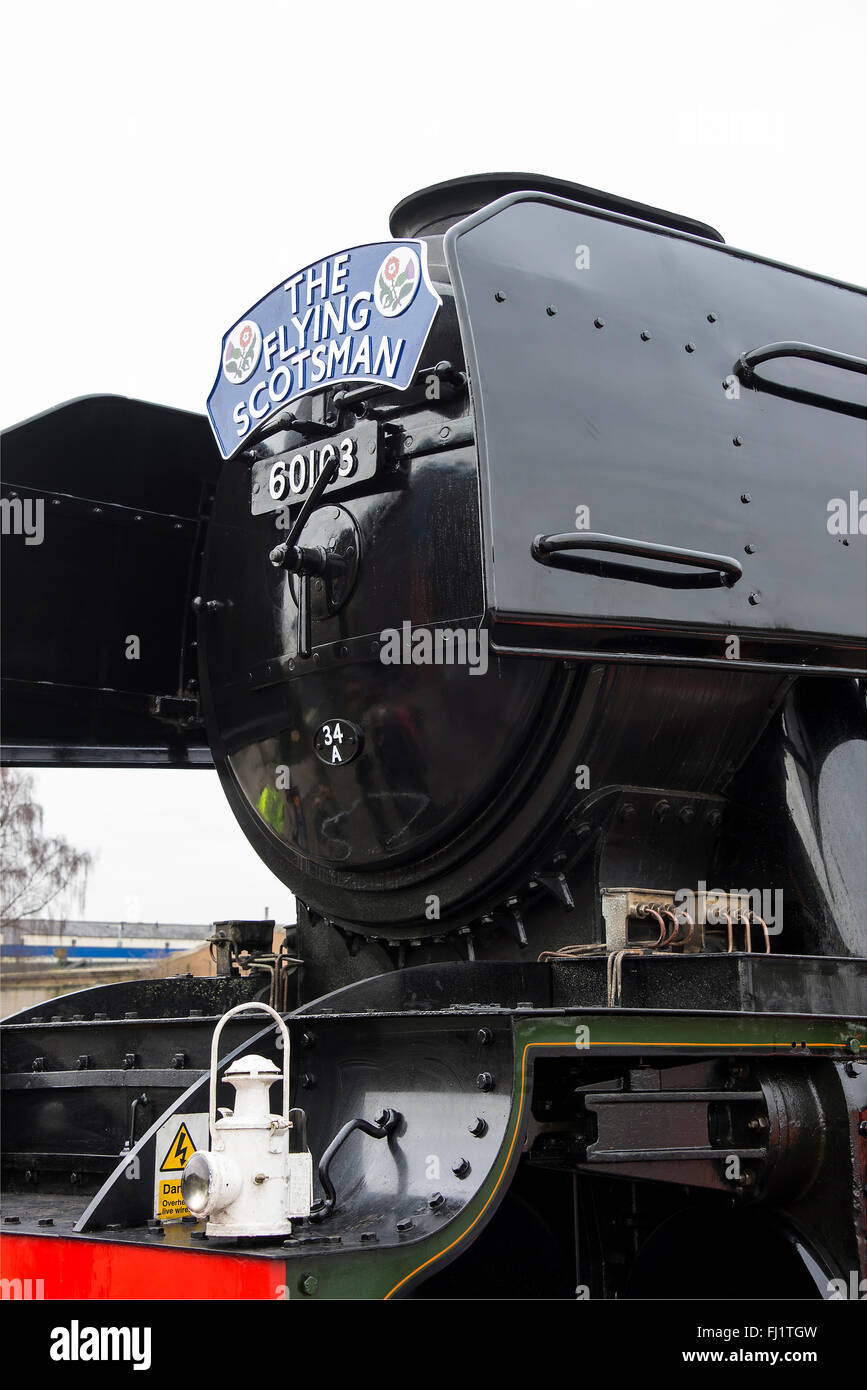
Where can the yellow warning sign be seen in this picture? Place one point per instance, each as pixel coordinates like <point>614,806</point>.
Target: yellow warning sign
<point>170,1203</point>
<point>176,1142</point>
<point>180,1151</point>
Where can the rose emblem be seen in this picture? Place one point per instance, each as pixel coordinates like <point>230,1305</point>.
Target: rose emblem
<point>243,349</point>
<point>397,281</point>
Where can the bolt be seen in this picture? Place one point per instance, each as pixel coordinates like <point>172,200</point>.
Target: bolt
<point>690,347</point>
<point>484,1036</point>
<point>436,1200</point>
<point>308,1081</point>
<point>405,1224</point>
<point>309,1284</point>
<point>745,497</point>
<point>461,1167</point>
<point>661,809</point>
<point>484,1081</point>
<point>754,598</point>
<point>479,1127</point>
<point>645,336</point>
<point>499,296</point>
<point>260,1178</point>
<point>551,310</point>
<point>686,814</point>
<point>737,440</point>
<point>308,1039</point>
<point>711,318</point>
<point>760,1122</point>
<point>627,811</point>
<point>598,323</point>
<point>749,548</point>
<point>862,1129</point>
<point>853,1044</point>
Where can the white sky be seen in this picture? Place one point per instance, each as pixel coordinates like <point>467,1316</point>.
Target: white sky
<point>166,164</point>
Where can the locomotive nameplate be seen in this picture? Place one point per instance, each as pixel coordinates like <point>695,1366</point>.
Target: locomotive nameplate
<point>359,315</point>
<point>287,477</point>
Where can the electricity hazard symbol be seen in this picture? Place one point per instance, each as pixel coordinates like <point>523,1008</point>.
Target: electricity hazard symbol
<point>181,1148</point>
<point>177,1141</point>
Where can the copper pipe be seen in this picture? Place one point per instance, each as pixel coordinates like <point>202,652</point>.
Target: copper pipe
<point>660,940</point>
<point>764,926</point>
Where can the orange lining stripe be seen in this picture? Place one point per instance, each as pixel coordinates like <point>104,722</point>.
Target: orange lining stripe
<point>562,1044</point>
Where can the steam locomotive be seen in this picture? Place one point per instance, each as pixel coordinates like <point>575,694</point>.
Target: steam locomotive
<point>521,611</point>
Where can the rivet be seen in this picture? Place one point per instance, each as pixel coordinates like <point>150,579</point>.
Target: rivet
<point>711,318</point>
<point>484,1036</point>
<point>598,323</point>
<point>444,432</point>
<point>627,812</point>
<point>551,310</point>
<point>499,296</point>
<point>308,1081</point>
<point>749,548</point>
<point>745,497</point>
<point>690,347</point>
<point>645,336</point>
<point>754,598</point>
<point>737,441</point>
<point>686,814</point>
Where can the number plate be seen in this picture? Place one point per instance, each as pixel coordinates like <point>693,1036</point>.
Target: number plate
<point>287,478</point>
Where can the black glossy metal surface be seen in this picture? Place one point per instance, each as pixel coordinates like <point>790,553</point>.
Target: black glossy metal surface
<point>659,320</point>
<point>125,487</point>
<point>429,211</point>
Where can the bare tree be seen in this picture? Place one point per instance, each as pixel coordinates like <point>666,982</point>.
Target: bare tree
<point>36,868</point>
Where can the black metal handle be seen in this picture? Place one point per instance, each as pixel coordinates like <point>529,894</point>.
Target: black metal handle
<point>748,361</point>
<point>385,1122</point>
<point>727,569</point>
